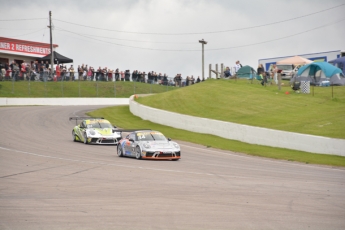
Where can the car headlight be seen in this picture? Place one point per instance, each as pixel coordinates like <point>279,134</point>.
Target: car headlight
<point>176,146</point>
<point>146,146</point>
<point>92,132</point>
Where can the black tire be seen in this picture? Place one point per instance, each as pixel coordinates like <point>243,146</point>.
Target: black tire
<point>119,151</point>
<point>74,136</point>
<point>85,139</point>
<point>175,159</point>
<point>138,153</point>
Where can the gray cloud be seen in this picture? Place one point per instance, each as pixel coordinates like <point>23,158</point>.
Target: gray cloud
<point>175,16</point>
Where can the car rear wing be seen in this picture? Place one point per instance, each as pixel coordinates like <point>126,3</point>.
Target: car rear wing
<point>132,130</point>
<point>83,118</point>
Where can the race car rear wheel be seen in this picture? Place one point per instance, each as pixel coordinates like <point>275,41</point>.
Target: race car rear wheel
<point>85,139</point>
<point>119,151</point>
<point>138,153</point>
<point>74,136</point>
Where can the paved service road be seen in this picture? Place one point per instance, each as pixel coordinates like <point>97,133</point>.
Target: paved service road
<point>47,181</point>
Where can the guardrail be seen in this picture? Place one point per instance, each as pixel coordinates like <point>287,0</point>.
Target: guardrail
<point>63,101</point>
<point>243,133</point>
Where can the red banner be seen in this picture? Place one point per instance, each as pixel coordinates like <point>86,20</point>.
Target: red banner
<point>28,47</point>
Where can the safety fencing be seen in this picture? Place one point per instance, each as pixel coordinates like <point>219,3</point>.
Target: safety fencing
<point>90,87</point>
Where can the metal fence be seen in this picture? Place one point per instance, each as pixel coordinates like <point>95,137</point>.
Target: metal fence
<point>96,86</point>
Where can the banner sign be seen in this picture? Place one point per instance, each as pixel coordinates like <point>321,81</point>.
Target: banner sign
<point>27,47</point>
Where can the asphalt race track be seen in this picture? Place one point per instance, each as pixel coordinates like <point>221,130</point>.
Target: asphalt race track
<point>47,181</point>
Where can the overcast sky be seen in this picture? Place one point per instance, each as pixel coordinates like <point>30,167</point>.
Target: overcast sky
<point>163,35</point>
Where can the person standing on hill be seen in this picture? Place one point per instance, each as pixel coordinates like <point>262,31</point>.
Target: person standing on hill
<point>237,66</point>
<point>260,69</point>
<point>165,79</point>
<point>71,72</point>
<point>58,71</point>
<point>127,75</point>
<point>187,81</point>
<point>122,76</point>
<point>117,74</point>
<point>134,75</point>
<point>98,74</point>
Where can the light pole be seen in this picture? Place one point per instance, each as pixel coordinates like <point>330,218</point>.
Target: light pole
<point>203,43</point>
<point>51,43</point>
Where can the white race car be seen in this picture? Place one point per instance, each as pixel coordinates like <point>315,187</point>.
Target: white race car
<point>95,131</point>
<point>148,144</point>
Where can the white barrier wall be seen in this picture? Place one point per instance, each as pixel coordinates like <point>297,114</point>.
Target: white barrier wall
<point>63,101</point>
<point>244,133</point>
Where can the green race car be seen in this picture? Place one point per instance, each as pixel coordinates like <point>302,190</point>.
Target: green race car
<point>95,131</point>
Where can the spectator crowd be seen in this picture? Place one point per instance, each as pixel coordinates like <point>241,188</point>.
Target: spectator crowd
<point>40,71</point>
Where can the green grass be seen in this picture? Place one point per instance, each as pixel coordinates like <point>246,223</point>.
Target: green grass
<point>122,117</point>
<point>252,104</point>
<point>77,89</point>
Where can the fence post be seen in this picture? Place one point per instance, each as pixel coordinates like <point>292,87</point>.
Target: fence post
<point>216,71</point>
<point>222,70</point>
<point>209,70</point>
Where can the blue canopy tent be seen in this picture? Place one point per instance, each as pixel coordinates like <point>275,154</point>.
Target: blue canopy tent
<point>340,63</point>
<point>317,72</point>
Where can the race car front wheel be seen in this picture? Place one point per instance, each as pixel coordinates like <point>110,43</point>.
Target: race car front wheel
<point>138,153</point>
<point>119,151</point>
<point>85,139</point>
<point>74,136</point>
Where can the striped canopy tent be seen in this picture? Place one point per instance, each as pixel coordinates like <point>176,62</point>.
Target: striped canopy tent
<point>296,60</point>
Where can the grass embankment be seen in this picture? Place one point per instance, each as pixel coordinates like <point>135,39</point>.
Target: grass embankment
<point>77,89</point>
<point>252,104</point>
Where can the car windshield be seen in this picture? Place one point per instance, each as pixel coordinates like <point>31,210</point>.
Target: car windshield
<point>150,136</point>
<point>285,67</point>
<point>99,124</point>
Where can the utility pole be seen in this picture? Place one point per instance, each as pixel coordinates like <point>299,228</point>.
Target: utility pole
<point>203,43</point>
<point>51,43</point>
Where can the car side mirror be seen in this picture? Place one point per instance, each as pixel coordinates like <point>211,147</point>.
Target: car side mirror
<point>115,127</point>
<point>169,139</point>
<point>131,140</point>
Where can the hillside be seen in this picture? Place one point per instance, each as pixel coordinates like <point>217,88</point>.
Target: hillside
<point>252,104</point>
